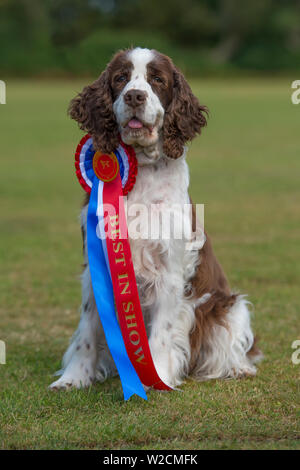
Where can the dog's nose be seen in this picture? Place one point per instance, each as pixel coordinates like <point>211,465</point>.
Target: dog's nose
<point>135,98</point>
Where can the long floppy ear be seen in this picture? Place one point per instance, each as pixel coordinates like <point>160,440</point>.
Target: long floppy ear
<point>93,110</point>
<point>183,119</point>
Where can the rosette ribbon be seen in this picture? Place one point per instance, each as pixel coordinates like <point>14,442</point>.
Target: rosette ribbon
<point>108,178</point>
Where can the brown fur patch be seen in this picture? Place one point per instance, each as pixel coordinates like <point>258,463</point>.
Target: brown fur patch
<point>209,278</point>
<point>184,115</point>
<point>93,107</point>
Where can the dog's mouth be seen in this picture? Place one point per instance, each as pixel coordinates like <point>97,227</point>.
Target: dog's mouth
<point>136,131</point>
<point>136,125</point>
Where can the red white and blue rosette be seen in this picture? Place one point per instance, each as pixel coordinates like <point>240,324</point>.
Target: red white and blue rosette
<point>85,171</point>
<point>107,178</point>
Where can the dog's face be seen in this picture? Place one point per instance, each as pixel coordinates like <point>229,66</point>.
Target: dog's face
<point>142,97</point>
<point>140,89</point>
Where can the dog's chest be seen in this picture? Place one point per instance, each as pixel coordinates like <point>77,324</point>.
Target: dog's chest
<point>157,191</point>
<point>165,182</point>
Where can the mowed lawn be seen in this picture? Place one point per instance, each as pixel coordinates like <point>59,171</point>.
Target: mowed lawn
<point>245,168</point>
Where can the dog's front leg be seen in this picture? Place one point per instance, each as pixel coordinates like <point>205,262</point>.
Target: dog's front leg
<point>172,318</point>
<point>80,359</point>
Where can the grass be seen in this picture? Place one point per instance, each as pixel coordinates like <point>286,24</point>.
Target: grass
<point>245,168</point>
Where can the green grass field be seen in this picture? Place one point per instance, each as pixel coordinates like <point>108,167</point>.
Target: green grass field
<point>245,169</point>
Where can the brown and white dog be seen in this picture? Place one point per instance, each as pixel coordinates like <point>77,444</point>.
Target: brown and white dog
<point>196,325</point>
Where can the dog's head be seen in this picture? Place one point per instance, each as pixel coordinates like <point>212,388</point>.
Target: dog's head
<point>141,96</point>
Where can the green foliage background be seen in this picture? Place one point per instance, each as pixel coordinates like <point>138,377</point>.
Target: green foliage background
<point>67,37</point>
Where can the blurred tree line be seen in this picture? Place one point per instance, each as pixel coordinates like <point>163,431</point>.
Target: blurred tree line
<point>203,36</point>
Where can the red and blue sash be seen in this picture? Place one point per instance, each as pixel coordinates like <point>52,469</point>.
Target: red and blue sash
<point>108,178</point>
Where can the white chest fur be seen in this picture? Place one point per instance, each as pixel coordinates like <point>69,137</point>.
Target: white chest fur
<point>160,192</point>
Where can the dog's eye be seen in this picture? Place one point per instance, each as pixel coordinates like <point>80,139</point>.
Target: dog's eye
<point>121,78</point>
<point>157,79</point>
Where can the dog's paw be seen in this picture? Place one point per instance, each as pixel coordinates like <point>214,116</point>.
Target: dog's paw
<point>164,376</point>
<point>242,372</point>
<point>66,382</point>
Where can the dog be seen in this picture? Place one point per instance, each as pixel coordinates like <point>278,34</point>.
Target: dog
<point>197,327</point>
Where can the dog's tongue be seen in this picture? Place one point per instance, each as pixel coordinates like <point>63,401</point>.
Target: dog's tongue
<point>135,124</point>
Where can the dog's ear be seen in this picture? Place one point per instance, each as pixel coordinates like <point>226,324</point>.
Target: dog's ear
<point>183,119</point>
<point>93,110</point>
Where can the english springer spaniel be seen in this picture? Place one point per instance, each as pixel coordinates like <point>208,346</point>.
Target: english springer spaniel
<point>196,325</point>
